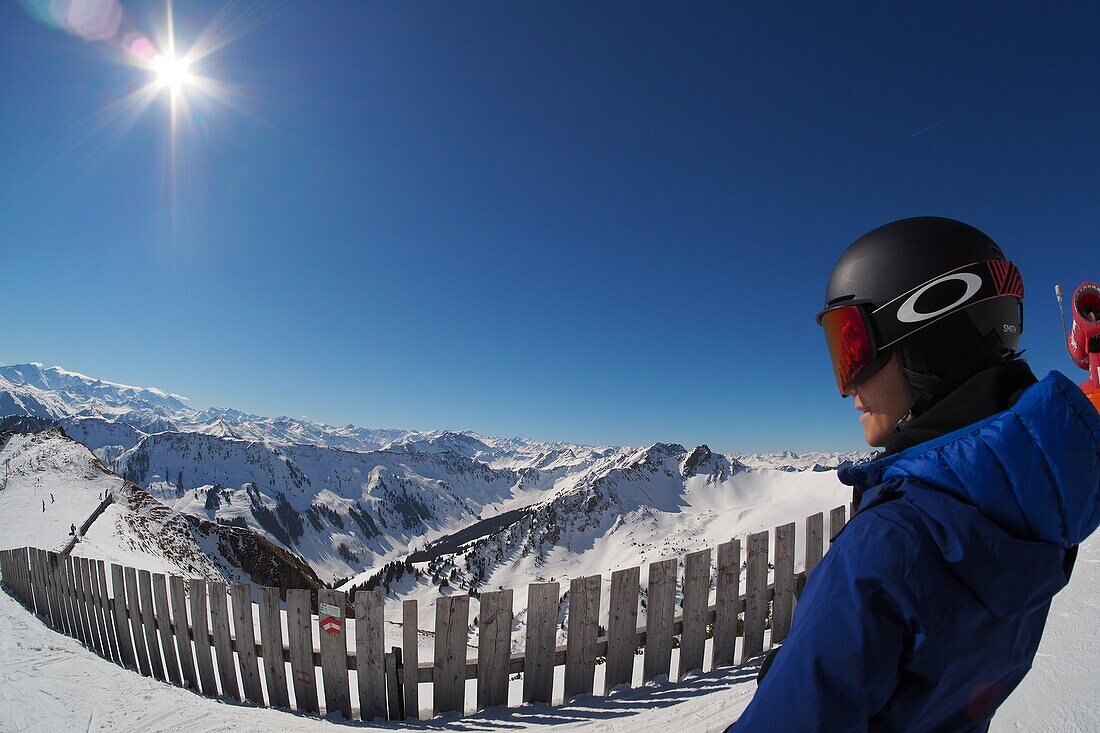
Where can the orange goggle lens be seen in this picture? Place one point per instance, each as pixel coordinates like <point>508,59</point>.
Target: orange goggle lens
<point>850,346</point>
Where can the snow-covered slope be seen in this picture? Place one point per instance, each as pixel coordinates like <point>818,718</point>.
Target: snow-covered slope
<point>50,484</point>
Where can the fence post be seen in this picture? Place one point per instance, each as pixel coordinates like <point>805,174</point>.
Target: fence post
<point>693,637</point>
<point>836,523</point>
<point>149,623</point>
<point>783,605</point>
<point>452,616</point>
<point>183,636</point>
<point>299,624</point>
<point>164,627</point>
<point>370,643</point>
<point>223,645</point>
<point>245,634</point>
<point>334,653</point>
<point>200,625</point>
<point>538,654</point>
<point>410,641</point>
<point>727,600</point>
<point>494,648</point>
<point>81,567</point>
<point>756,592</point>
<point>622,628</point>
<point>133,610</point>
<point>660,615</point>
<point>580,647</point>
<point>108,615</point>
<point>271,641</point>
<point>122,628</point>
<point>815,533</point>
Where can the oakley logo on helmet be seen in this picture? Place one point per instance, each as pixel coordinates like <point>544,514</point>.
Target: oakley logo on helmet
<point>907,312</point>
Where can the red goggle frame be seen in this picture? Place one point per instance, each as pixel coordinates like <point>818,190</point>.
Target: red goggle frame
<point>856,335</point>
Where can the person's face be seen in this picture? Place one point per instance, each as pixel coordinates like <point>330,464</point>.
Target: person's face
<point>882,400</point>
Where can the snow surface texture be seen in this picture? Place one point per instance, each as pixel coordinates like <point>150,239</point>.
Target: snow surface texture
<point>49,682</point>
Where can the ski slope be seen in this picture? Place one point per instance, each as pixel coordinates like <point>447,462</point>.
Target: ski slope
<point>49,682</point>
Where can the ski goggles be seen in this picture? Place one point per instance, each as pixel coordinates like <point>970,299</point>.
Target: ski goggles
<point>859,337</point>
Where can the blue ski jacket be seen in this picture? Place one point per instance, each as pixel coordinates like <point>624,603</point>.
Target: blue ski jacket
<point>928,608</point>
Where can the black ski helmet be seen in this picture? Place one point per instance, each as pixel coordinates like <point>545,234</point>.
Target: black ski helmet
<point>963,338</point>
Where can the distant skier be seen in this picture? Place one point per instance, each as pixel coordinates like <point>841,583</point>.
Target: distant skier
<point>928,609</point>
<point>72,530</point>
<point>51,497</point>
<point>43,506</point>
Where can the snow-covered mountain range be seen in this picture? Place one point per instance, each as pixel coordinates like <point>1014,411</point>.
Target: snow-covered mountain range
<point>56,495</point>
<point>350,501</point>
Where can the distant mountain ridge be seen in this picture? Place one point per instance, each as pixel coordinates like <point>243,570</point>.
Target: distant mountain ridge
<point>350,500</point>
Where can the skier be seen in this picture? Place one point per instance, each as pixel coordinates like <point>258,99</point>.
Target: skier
<point>928,609</point>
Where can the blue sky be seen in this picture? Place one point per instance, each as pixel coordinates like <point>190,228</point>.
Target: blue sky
<point>606,223</point>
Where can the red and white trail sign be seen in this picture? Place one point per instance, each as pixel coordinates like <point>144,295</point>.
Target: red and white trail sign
<point>330,625</point>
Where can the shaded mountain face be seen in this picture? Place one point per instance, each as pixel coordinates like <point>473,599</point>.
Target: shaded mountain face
<point>51,484</point>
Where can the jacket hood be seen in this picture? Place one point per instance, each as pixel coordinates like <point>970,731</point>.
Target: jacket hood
<point>1012,491</point>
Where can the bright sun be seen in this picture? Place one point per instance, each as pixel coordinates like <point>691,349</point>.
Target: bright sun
<point>171,72</point>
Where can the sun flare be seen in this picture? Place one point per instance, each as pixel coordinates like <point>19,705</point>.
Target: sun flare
<point>171,72</point>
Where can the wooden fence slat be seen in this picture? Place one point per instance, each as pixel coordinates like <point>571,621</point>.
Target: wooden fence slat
<point>245,635</point>
<point>54,590</point>
<point>58,592</point>
<point>200,626</point>
<point>299,625</point>
<point>223,645</point>
<point>68,600</point>
<point>622,633</point>
<point>410,641</point>
<point>370,641</point>
<point>134,610</point>
<point>164,628</point>
<point>494,648</point>
<point>105,604</point>
<point>45,608</point>
<point>538,655</point>
<point>149,623</point>
<point>103,619</point>
<point>122,623</point>
<point>271,642</point>
<point>88,609</point>
<point>183,635</point>
<point>52,599</point>
<point>94,613</point>
<point>334,653</point>
<point>815,533</point>
<point>57,565</point>
<point>583,631</point>
<point>783,605</point>
<point>96,600</point>
<point>693,637</point>
<point>756,595</point>
<point>727,600</point>
<point>41,604</point>
<point>836,522</point>
<point>660,615</point>
<point>392,675</point>
<point>452,617</point>
<point>76,593</point>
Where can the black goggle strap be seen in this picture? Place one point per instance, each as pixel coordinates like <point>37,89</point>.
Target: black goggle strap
<point>943,295</point>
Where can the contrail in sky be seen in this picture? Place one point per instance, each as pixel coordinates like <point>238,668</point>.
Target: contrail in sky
<point>932,127</point>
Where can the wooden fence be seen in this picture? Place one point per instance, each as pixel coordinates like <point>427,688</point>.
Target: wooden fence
<point>194,634</point>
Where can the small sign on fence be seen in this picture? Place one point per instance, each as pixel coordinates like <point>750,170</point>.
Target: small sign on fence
<point>328,609</point>
<point>330,625</point>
